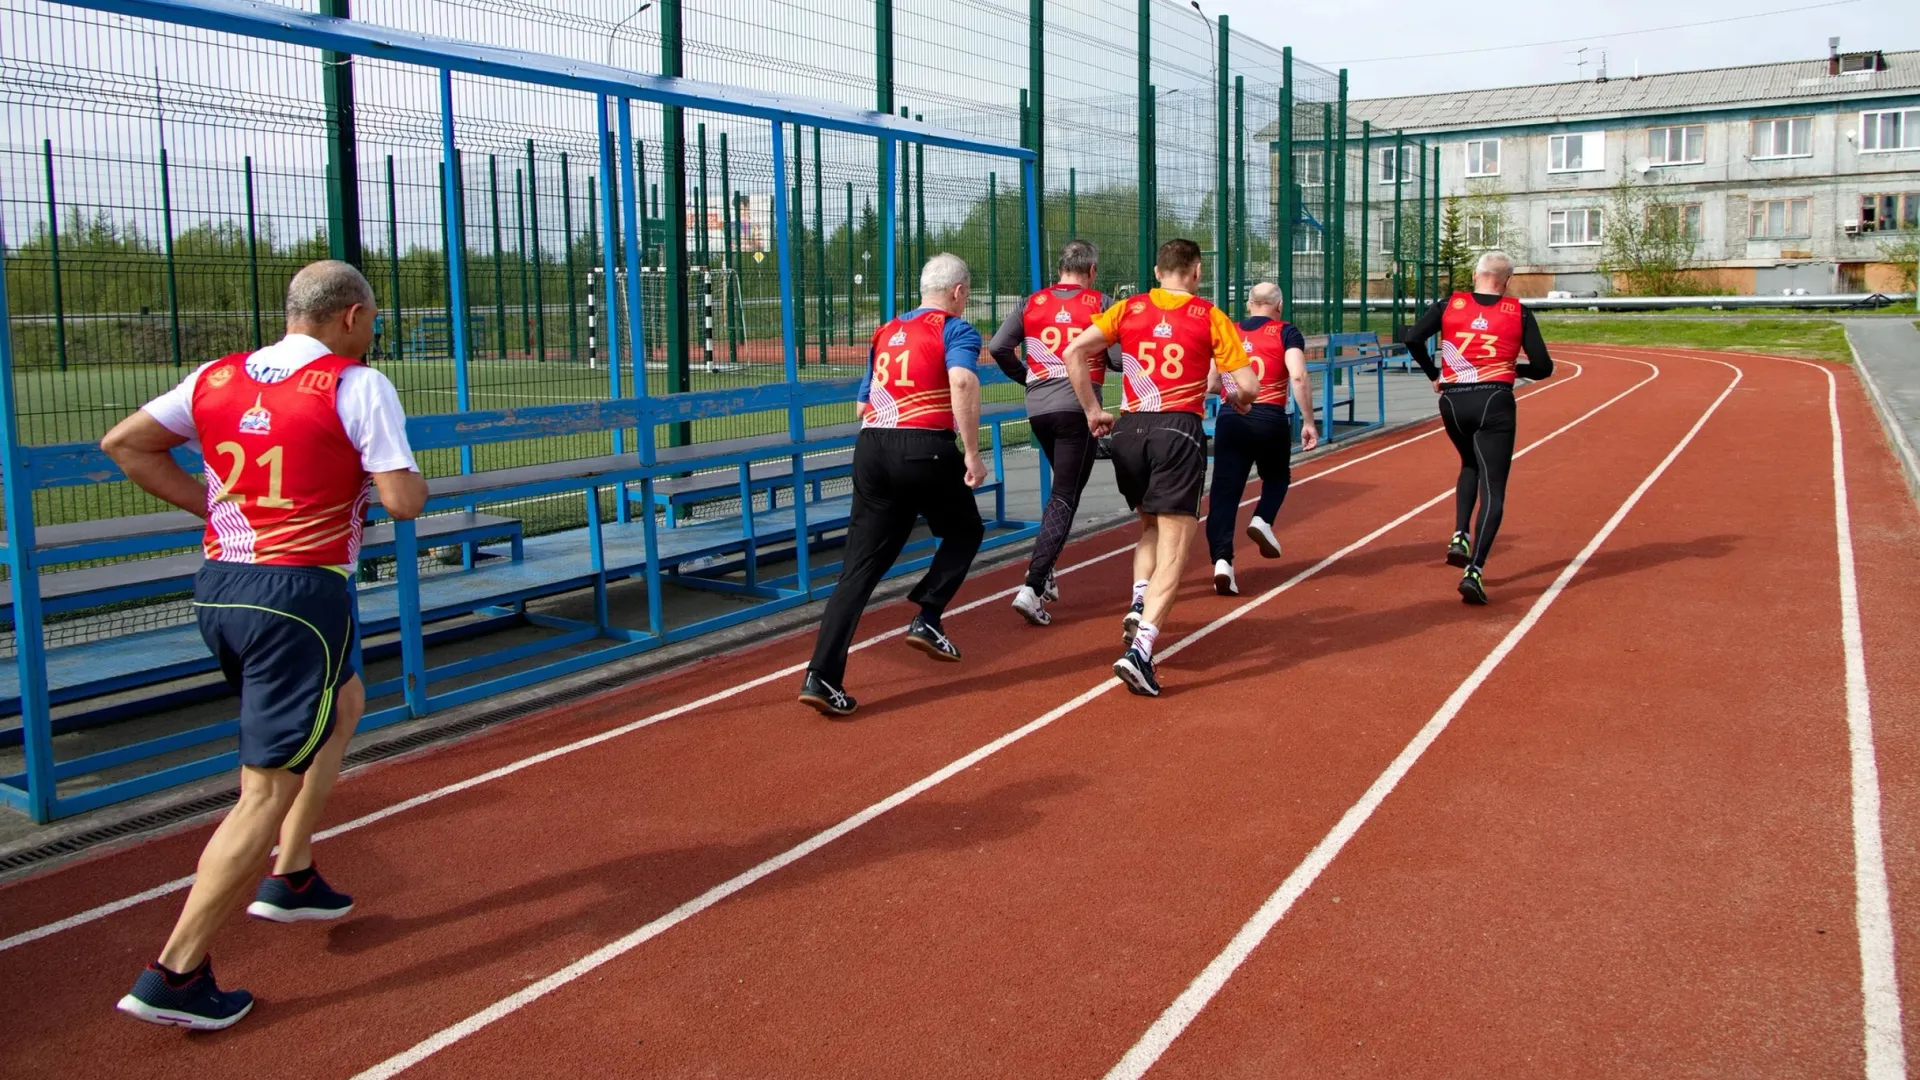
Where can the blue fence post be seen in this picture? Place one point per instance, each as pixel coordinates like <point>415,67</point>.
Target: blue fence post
<point>796,407</point>
<point>888,252</point>
<point>30,656</point>
<point>456,260</point>
<point>1032,185</point>
<point>637,334</point>
<point>413,649</point>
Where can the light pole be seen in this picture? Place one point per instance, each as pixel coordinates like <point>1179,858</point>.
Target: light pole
<point>1220,160</point>
<point>616,28</point>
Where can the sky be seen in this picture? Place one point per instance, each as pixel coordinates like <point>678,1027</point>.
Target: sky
<point>1796,32</point>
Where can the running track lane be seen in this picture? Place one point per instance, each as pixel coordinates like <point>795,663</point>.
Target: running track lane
<point>1632,853</point>
<point>498,884</point>
<point>992,926</point>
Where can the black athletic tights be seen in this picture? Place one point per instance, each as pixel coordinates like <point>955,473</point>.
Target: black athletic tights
<point>1480,419</point>
<point>1068,443</point>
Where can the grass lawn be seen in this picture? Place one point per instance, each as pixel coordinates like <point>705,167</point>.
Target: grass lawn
<point>1816,339</point>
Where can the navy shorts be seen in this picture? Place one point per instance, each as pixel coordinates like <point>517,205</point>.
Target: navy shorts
<point>284,636</point>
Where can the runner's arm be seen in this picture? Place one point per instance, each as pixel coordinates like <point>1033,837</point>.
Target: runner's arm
<point>965,386</point>
<point>402,491</point>
<point>1539,365</point>
<point>1087,344</point>
<point>1006,346</point>
<point>143,448</point>
<point>1302,387</point>
<point>1415,338</point>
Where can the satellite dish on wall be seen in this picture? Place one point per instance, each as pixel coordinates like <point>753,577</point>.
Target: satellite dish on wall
<point>1641,165</point>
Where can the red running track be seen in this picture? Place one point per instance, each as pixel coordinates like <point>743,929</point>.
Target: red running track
<point>1630,850</point>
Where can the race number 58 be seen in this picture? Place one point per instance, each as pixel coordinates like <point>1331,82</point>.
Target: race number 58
<point>1171,358</point>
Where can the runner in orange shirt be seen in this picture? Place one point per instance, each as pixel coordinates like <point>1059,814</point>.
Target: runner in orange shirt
<point>1169,341</point>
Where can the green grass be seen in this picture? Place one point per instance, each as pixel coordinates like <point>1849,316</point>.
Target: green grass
<point>1817,339</point>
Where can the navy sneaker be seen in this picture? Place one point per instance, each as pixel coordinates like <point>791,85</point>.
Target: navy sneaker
<point>927,637</point>
<point>825,698</point>
<point>1136,671</point>
<point>1459,550</point>
<point>278,900</point>
<point>196,1003</point>
<point>1130,622</point>
<point>1472,590</point>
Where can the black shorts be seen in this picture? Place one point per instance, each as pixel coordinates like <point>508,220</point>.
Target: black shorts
<point>284,636</point>
<point>1160,462</point>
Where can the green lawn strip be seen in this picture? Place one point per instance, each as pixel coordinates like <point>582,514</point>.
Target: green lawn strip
<point>1818,339</point>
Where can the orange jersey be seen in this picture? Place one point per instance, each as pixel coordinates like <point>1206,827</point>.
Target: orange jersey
<point>1479,344</point>
<point>1050,322</point>
<point>285,486</point>
<point>1267,350</point>
<point>909,387</point>
<point>1166,342</point>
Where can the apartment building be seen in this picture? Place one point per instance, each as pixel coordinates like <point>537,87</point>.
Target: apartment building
<point>1802,175</point>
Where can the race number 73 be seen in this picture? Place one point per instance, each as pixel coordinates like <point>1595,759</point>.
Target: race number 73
<point>1172,357</point>
<point>886,373</point>
<point>1467,340</point>
<point>273,461</point>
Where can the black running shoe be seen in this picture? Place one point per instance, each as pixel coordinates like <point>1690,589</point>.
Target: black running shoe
<point>825,698</point>
<point>927,637</point>
<point>1471,588</point>
<point>1459,550</point>
<point>1137,672</point>
<point>198,1003</point>
<point>1130,623</point>
<point>277,900</point>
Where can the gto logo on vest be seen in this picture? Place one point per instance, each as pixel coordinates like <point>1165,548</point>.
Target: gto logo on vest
<point>257,420</point>
<point>1163,328</point>
<point>898,339</point>
<point>1065,316</point>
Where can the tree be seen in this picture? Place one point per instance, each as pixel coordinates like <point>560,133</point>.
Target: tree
<point>1903,251</point>
<point>1648,242</point>
<point>1456,257</point>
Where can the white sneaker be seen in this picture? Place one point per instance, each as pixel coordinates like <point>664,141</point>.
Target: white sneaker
<point>1051,594</point>
<point>1223,582</point>
<point>1031,607</point>
<point>1262,536</point>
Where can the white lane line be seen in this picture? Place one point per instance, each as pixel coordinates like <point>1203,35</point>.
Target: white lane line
<point>1171,1023</point>
<point>95,914</point>
<point>506,1006</point>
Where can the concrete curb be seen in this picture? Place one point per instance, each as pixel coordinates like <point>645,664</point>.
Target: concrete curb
<point>1897,435</point>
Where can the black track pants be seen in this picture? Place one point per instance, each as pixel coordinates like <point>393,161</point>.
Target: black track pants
<point>1068,443</point>
<point>1480,420</point>
<point>1263,438</point>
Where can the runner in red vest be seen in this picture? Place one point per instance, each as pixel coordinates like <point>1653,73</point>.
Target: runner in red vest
<point>293,435</point>
<point>1170,341</point>
<point>1041,329</point>
<point>920,391</point>
<point>1263,437</point>
<point>1482,335</point>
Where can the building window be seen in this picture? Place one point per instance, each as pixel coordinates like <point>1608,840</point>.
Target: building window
<point>1308,242</point>
<point>1883,131</point>
<point>1309,168</point>
<point>1682,220</point>
<point>1885,213</point>
<point>1386,158</point>
<point>1677,145</point>
<point>1573,228</point>
<point>1576,153</point>
<point>1780,219</point>
<point>1386,236</point>
<point>1481,231</point>
<point>1483,157</point>
<point>1783,138</point>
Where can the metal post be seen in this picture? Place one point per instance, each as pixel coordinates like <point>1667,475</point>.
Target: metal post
<point>499,262</point>
<point>797,218</point>
<point>636,312</point>
<point>173,284</point>
<point>920,199</point>
<point>1222,249</point>
<point>902,235</point>
<point>1073,203</point>
<point>1034,281</point>
<point>730,237</point>
<point>852,295</point>
<point>1434,230</point>
<point>520,231</point>
<point>1283,206</point>
<point>1399,209</point>
<point>1420,257</point>
<point>343,155</point>
<point>456,263</point>
<point>701,241</point>
<point>30,658</point>
<point>1237,287</point>
<point>253,254</point>
<point>1026,119</point>
<point>887,242</point>
<point>993,249</point>
<point>1327,275</point>
<point>539,287</point>
<point>566,226</point>
<point>1339,212</point>
<point>53,250</point>
<point>674,205</point>
<point>883,102</point>
<point>1366,213</point>
<point>1143,187</point>
<point>609,244</point>
<point>393,257</point>
<point>1036,100</point>
<point>796,411</point>
<point>820,251</point>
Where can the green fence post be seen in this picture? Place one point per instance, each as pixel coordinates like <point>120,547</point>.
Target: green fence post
<point>1036,105</point>
<point>1283,209</point>
<point>566,226</point>
<point>920,201</point>
<point>53,251</point>
<point>673,173</point>
<point>1143,187</point>
<point>1420,258</point>
<point>446,244</point>
<point>1366,213</point>
<point>883,102</point>
<point>253,251</point>
<point>903,230</point>
<point>1326,217</point>
<point>520,230</point>
<point>1436,225</point>
<point>820,249</point>
<point>1236,293</point>
<point>1073,204</point>
<point>730,239</point>
<point>1026,121</point>
<point>1222,196</point>
<point>852,290</point>
<point>343,155</point>
<point>539,286</point>
<point>393,258</point>
<point>173,284</point>
<point>1399,210</point>
<point>993,249</point>
<point>499,262</point>
<point>702,242</point>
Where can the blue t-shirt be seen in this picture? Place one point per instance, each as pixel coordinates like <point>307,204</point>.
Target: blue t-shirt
<point>1290,338</point>
<point>963,348</point>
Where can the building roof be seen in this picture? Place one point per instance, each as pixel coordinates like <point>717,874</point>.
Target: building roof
<point>1794,82</point>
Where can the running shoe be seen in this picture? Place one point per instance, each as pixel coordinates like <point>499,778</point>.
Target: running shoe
<point>195,1002</point>
<point>825,698</point>
<point>279,900</point>
<point>927,637</point>
<point>1130,623</point>
<point>1459,550</point>
<point>1031,606</point>
<point>1051,594</point>
<point>1472,590</point>
<point>1136,671</point>
<point>1223,582</point>
<point>1261,533</point>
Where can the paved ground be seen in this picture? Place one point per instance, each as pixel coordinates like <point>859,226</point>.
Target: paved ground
<point>1889,354</point>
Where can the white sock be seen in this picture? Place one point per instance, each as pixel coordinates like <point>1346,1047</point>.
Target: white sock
<point>1144,637</point>
<point>1140,591</point>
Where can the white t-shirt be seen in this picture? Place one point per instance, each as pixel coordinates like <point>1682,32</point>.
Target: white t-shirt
<point>368,406</point>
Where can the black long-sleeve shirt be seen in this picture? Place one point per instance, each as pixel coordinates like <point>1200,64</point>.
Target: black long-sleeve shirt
<point>1538,364</point>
